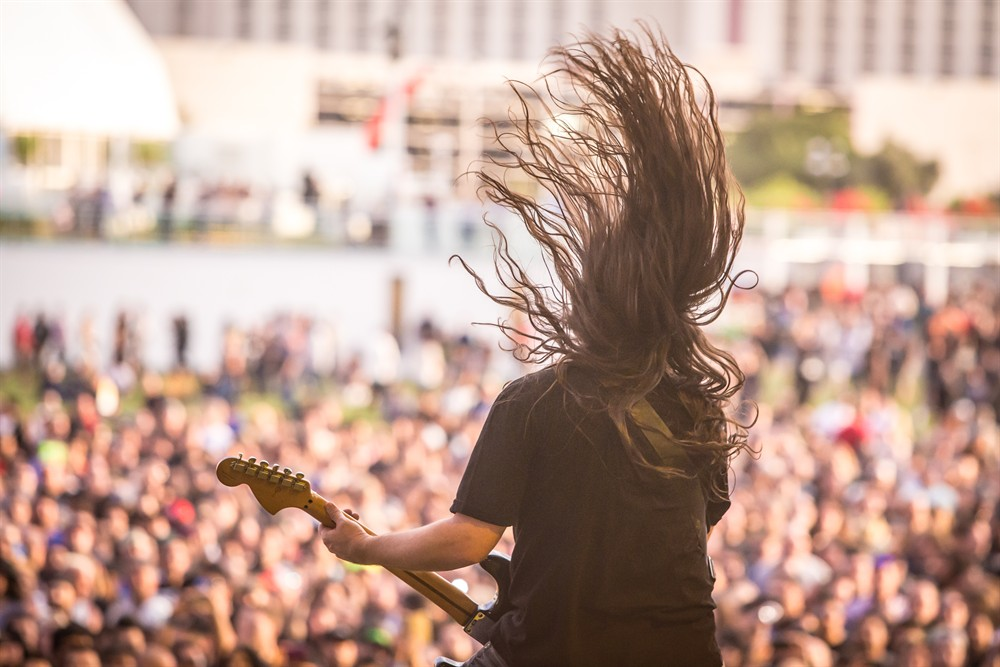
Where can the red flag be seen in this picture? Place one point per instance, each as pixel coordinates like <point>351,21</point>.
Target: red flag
<point>374,125</point>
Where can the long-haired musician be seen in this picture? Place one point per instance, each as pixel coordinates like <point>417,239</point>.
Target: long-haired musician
<point>610,462</point>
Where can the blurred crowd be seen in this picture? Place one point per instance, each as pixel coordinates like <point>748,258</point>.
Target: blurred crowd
<point>175,208</point>
<point>864,530</point>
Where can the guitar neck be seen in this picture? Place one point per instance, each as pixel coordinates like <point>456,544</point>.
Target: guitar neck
<point>431,585</point>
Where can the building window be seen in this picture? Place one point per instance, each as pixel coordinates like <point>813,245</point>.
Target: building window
<point>244,19</point>
<point>361,20</point>
<point>439,28</point>
<point>338,103</point>
<point>558,17</point>
<point>517,26</point>
<point>869,45</point>
<point>596,14</point>
<point>988,34</point>
<point>432,126</point>
<point>735,22</point>
<point>908,56</point>
<point>283,25</point>
<point>947,64</point>
<point>791,46</point>
<point>828,43</point>
<point>183,17</point>
<point>323,37</point>
<point>478,28</point>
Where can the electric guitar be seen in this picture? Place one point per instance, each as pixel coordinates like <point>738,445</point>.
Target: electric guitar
<point>275,490</point>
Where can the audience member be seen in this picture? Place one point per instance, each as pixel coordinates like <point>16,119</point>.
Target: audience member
<point>865,532</point>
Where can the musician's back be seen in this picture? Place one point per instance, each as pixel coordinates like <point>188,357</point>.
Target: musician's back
<point>609,565</point>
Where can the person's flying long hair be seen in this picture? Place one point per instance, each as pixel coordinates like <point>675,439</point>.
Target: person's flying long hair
<point>640,243</point>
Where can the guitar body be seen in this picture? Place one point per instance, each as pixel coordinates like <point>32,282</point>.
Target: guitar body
<point>480,627</point>
<point>277,489</point>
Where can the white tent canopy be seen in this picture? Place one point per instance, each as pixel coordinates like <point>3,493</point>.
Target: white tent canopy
<point>81,67</point>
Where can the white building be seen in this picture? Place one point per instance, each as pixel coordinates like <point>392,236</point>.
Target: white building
<point>468,29</point>
<point>956,123</point>
<point>81,85</point>
<point>328,66</point>
<point>825,43</point>
<point>381,98</point>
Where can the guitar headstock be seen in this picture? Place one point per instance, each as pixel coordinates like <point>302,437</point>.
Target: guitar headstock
<point>274,489</point>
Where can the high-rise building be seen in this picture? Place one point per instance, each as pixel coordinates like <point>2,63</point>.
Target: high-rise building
<point>800,43</point>
<point>835,42</point>
<point>467,29</point>
<point>414,78</point>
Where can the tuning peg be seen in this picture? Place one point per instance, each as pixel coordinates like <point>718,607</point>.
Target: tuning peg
<point>264,464</point>
<point>239,464</point>
<point>288,471</point>
<point>251,460</point>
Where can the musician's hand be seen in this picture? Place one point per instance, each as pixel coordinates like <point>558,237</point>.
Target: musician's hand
<point>346,538</point>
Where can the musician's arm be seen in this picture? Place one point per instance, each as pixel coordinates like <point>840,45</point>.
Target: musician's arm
<point>448,544</point>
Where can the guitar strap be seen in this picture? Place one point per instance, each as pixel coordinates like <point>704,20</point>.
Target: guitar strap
<point>662,439</point>
<point>659,435</point>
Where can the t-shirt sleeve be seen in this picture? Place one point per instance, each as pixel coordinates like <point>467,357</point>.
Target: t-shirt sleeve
<point>497,475</point>
<point>717,502</point>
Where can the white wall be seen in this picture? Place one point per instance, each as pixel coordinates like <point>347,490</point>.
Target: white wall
<point>953,122</point>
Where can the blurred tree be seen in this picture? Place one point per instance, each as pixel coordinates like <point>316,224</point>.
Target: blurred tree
<point>813,148</point>
<point>899,174</point>
<point>25,148</point>
<point>783,191</point>
<point>802,152</point>
<point>150,153</point>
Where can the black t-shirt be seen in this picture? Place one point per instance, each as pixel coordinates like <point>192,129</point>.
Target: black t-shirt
<point>609,563</point>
